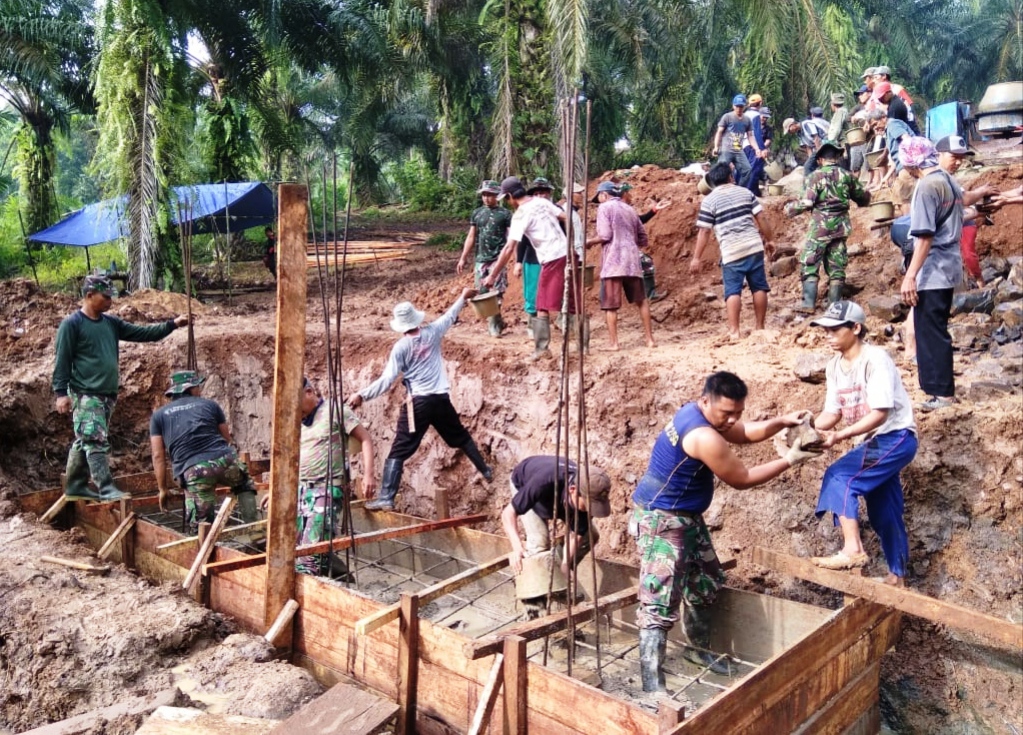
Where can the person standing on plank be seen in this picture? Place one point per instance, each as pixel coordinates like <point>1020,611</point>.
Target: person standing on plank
<point>417,357</point>
<point>86,381</point>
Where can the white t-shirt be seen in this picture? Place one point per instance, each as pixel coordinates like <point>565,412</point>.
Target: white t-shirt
<point>537,219</point>
<point>871,382</point>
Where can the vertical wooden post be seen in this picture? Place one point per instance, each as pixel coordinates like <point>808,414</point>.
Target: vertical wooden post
<point>289,362</point>
<point>515,682</point>
<point>440,504</point>
<point>408,663</point>
<point>199,591</point>
<point>128,539</point>
<point>669,716</point>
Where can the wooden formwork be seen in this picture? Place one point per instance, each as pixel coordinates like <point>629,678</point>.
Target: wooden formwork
<point>818,669</point>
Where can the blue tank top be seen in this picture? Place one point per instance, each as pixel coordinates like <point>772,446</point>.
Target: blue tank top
<point>674,480</point>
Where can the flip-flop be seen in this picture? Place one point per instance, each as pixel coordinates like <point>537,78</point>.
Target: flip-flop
<point>841,561</point>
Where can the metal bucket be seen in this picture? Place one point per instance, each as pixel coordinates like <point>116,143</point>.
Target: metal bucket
<point>882,210</point>
<point>535,579</point>
<point>873,157</point>
<point>588,275</point>
<point>775,190</point>
<point>703,186</point>
<point>856,136</point>
<point>486,305</point>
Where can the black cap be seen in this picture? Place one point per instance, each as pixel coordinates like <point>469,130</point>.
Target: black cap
<point>512,187</point>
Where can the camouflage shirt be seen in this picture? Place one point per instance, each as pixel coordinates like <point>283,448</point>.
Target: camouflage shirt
<point>491,231</point>
<point>828,193</point>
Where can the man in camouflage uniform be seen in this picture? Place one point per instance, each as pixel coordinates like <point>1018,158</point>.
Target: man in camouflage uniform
<point>193,431</point>
<point>321,465</point>
<point>677,559</point>
<point>86,380</point>
<point>488,231</point>
<point>828,193</point>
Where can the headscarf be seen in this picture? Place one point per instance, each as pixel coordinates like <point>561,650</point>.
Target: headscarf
<point>917,152</point>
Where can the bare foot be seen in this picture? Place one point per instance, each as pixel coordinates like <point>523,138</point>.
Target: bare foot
<point>733,336</point>
<point>650,343</point>
<point>614,347</point>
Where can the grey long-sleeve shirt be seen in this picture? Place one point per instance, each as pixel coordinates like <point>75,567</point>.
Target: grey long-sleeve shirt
<point>418,357</point>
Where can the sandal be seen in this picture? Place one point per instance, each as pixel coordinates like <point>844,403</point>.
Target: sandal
<point>841,561</point>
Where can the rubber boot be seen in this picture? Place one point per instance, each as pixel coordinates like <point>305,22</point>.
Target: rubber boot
<point>388,486</point>
<point>541,339</point>
<point>100,469</point>
<point>697,625</point>
<point>77,471</point>
<point>653,642</point>
<point>835,291</point>
<point>247,506</point>
<point>473,453</point>
<point>809,303</point>
<point>651,288</point>
<point>529,326</point>
<point>495,325</point>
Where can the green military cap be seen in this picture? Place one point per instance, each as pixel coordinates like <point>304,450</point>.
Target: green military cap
<point>102,284</point>
<point>489,187</point>
<point>182,380</point>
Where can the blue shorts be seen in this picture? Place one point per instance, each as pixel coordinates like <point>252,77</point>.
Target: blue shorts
<point>750,269</point>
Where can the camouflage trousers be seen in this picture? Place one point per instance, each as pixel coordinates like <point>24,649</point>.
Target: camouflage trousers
<point>677,561</point>
<point>482,270</point>
<point>90,418</point>
<point>201,480</point>
<point>316,522</point>
<point>832,253</point>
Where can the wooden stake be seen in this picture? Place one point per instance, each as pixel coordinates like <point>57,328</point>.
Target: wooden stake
<point>289,363</point>
<point>516,681</point>
<point>440,504</point>
<point>670,714</point>
<point>408,664</point>
<point>226,533</point>
<point>207,546</point>
<point>995,629</point>
<point>290,608</point>
<point>75,564</point>
<point>481,720</point>
<point>116,536</point>
<point>533,629</point>
<point>199,593</point>
<point>445,587</point>
<point>54,509</point>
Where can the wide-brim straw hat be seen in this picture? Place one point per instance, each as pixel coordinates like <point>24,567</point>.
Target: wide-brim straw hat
<point>406,317</point>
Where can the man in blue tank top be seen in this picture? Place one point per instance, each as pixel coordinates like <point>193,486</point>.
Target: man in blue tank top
<point>677,559</point>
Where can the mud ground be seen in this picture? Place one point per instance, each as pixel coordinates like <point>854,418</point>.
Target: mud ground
<point>70,642</point>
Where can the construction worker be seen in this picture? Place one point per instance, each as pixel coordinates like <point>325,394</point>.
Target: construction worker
<point>270,251</point>
<point>677,559</point>
<point>86,380</point>
<point>321,466</point>
<point>417,357</point>
<point>736,129</point>
<point>193,431</point>
<point>828,193</point>
<point>488,231</point>
<point>646,262</point>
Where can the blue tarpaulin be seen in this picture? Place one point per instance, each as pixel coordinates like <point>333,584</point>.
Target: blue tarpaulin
<point>947,119</point>
<point>207,206</point>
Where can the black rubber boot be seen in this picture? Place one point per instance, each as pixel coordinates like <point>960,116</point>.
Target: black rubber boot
<point>77,472</point>
<point>541,338</point>
<point>247,506</point>
<point>495,325</point>
<point>473,453</point>
<point>653,642</point>
<point>697,625</point>
<point>388,486</point>
<point>809,303</point>
<point>835,291</point>
<point>100,469</point>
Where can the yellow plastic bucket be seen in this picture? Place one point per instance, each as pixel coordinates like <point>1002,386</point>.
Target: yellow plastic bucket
<point>486,305</point>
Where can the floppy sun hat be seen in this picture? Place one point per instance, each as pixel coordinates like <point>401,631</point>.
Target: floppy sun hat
<point>406,317</point>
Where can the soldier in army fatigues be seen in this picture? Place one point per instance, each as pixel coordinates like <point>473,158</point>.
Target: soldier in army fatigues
<point>488,231</point>
<point>677,559</point>
<point>828,193</point>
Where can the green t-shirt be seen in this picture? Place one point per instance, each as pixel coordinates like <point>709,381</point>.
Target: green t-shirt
<point>87,351</point>
<point>491,232</point>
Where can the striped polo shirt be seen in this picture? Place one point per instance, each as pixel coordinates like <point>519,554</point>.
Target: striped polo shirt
<point>729,210</point>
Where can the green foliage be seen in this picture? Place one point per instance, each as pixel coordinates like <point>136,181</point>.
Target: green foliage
<point>445,241</point>
<point>227,147</point>
<point>420,187</point>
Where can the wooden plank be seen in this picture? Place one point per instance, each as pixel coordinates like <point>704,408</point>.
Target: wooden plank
<point>54,509</point>
<point>290,608</point>
<point>849,705</point>
<point>96,720</point>
<point>207,547</point>
<point>389,533</point>
<point>116,536</point>
<point>481,718</point>
<point>229,532</point>
<point>343,709</point>
<point>192,721</point>
<point>445,587</point>
<point>516,683</point>
<point>669,715</point>
<point>994,629</point>
<point>533,629</point>
<point>441,507</point>
<point>745,702</point>
<point>289,364</point>
<point>80,565</point>
<point>233,565</point>
<point>408,664</point>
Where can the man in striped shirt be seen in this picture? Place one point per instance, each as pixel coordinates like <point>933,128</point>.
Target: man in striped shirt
<point>743,236</point>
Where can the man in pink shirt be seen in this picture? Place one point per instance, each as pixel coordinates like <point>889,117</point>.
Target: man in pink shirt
<point>621,234</point>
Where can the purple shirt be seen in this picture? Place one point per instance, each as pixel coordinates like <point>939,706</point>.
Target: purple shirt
<point>623,234</point>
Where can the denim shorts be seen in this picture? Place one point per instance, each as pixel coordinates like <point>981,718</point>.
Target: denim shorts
<point>750,269</point>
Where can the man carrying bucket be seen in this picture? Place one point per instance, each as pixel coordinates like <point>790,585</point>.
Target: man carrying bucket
<point>488,231</point>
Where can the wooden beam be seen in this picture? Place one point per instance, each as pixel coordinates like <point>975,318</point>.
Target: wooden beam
<point>116,536</point>
<point>74,564</point>
<point>516,681</point>
<point>533,629</point>
<point>408,664</point>
<point>440,504</point>
<point>670,714</point>
<point>233,565</point>
<point>54,509</point>
<point>481,718</point>
<point>289,364</point>
<point>230,532</point>
<point>290,608</point>
<point>98,719</point>
<point>994,629</point>
<point>211,539</point>
<point>445,587</point>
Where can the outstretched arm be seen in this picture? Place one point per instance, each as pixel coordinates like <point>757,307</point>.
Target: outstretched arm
<point>710,447</point>
<point>757,431</point>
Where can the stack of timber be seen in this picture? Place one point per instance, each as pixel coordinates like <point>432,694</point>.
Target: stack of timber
<point>358,252</point>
